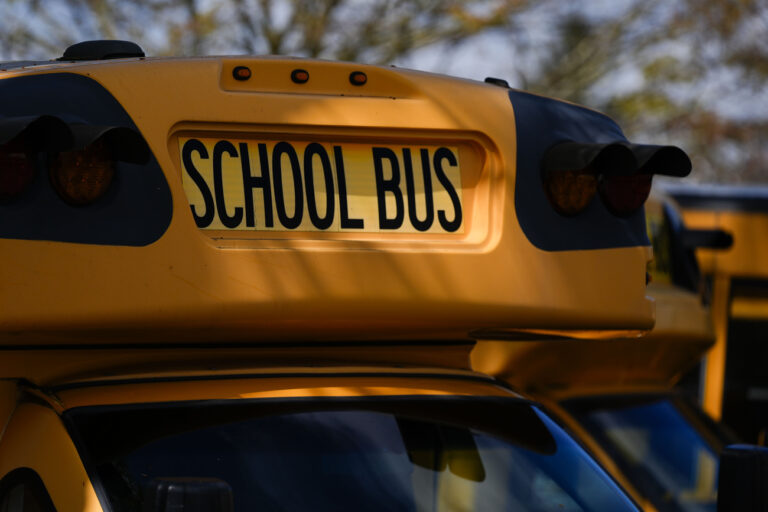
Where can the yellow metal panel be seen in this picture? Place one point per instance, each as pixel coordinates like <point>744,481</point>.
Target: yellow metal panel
<point>682,335</point>
<point>749,308</point>
<point>714,364</point>
<point>488,278</point>
<point>36,439</point>
<point>748,256</point>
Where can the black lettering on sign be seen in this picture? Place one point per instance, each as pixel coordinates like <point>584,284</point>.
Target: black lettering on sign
<point>221,147</point>
<point>441,155</point>
<point>252,182</point>
<point>193,145</point>
<point>312,150</point>
<point>280,149</point>
<point>410,188</point>
<point>346,222</point>
<point>391,185</point>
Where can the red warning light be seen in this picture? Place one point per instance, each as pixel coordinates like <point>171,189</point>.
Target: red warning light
<point>300,76</point>
<point>358,78</point>
<point>17,170</point>
<point>241,73</point>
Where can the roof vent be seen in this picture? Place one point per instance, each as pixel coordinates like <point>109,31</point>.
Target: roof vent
<point>102,50</point>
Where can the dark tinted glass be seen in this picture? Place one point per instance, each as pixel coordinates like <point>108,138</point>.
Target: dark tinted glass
<point>668,452</point>
<point>394,455</point>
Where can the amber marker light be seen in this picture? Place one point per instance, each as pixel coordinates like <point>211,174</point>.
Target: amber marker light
<point>358,78</point>
<point>81,177</point>
<point>17,170</point>
<point>241,73</point>
<point>300,76</point>
<point>570,192</point>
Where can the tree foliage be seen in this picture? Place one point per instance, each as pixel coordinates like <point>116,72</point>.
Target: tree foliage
<point>692,72</point>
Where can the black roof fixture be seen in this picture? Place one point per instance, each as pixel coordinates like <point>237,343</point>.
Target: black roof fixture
<point>500,82</point>
<point>102,50</point>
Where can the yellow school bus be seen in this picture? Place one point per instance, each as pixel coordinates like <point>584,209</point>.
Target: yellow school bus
<point>253,283</point>
<point>735,378</point>
<point>620,396</point>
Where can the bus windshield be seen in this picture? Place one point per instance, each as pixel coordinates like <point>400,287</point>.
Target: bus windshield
<point>401,454</point>
<point>666,448</point>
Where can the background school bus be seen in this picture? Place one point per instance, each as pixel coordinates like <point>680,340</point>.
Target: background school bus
<point>735,379</point>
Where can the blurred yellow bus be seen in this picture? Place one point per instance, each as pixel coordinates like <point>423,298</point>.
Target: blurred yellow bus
<point>735,376</point>
<point>240,283</point>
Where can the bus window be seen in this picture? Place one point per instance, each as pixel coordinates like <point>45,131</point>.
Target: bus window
<point>660,443</point>
<point>374,455</point>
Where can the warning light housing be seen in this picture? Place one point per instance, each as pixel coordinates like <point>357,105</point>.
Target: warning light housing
<point>572,172</point>
<point>21,138</point>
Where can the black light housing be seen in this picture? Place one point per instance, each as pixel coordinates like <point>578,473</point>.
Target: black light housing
<point>20,139</point>
<point>81,157</point>
<point>125,144</point>
<point>37,133</point>
<point>573,172</point>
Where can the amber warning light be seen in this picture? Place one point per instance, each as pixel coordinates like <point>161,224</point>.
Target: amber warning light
<point>358,78</point>
<point>79,160</point>
<point>300,76</point>
<point>241,73</point>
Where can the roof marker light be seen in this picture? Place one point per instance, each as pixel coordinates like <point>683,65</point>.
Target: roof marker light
<point>300,76</point>
<point>241,73</point>
<point>358,78</point>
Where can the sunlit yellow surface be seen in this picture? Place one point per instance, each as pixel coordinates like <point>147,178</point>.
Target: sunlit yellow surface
<point>37,439</point>
<point>747,259</point>
<point>196,285</point>
<point>748,256</point>
<point>682,334</point>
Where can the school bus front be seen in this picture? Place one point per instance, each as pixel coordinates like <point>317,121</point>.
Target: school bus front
<point>257,281</point>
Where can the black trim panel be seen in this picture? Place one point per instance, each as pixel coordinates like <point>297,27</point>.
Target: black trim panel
<point>137,208</point>
<point>541,123</point>
<point>31,480</point>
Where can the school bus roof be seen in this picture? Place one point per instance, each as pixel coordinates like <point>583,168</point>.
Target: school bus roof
<point>195,245</point>
<point>682,334</point>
